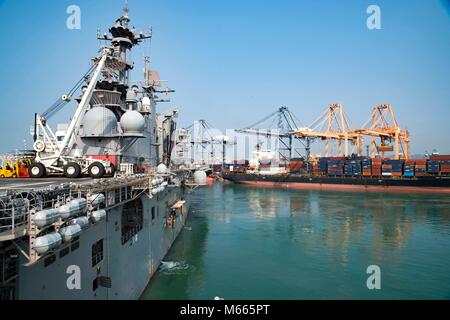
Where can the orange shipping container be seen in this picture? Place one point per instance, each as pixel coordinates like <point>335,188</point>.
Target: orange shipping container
<point>440,157</point>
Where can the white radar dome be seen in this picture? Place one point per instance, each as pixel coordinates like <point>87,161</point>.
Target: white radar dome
<point>162,168</point>
<point>132,122</point>
<point>99,122</point>
<point>200,177</point>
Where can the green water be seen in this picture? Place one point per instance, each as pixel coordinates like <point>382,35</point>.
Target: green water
<point>268,243</point>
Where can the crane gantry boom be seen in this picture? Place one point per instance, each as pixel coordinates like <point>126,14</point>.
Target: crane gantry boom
<point>337,128</point>
<point>333,124</point>
<point>286,126</point>
<point>384,125</point>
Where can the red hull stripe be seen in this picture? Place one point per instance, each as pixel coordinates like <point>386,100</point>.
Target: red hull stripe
<point>348,187</point>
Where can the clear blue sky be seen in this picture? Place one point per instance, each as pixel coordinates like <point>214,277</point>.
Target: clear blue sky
<point>233,62</point>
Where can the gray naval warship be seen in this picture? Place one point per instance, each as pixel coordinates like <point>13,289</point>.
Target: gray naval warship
<point>104,200</point>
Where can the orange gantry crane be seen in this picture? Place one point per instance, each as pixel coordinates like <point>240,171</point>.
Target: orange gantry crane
<point>382,124</point>
<point>334,125</point>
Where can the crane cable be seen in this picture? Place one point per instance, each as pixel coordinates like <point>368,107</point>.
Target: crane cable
<point>61,102</point>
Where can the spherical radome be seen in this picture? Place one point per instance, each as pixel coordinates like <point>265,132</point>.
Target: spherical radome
<point>132,122</point>
<point>162,168</point>
<point>200,177</point>
<point>99,121</point>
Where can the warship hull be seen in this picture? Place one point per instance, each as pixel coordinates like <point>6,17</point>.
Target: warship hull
<point>119,268</point>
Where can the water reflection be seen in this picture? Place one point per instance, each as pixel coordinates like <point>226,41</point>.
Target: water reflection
<point>369,222</point>
<point>271,243</point>
<point>263,207</point>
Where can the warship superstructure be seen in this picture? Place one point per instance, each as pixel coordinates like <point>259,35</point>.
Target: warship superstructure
<point>104,202</point>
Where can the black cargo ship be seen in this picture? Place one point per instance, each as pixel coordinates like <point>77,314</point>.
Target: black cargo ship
<point>439,184</point>
<point>357,173</point>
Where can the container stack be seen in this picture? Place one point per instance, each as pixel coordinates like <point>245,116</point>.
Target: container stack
<point>386,169</point>
<point>297,166</point>
<point>409,168</point>
<point>348,169</point>
<point>376,167</point>
<point>357,171</point>
<point>392,168</point>
<point>355,166</point>
<point>445,167</point>
<point>366,167</point>
<point>351,167</point>
<point>444,163</point>
<point>420,167</point>
<point>323,165</point>
<point>433,166</point>
<point>335,167</point>
<point>440,157</point>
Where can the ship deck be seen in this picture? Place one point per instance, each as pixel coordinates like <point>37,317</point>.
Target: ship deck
<point>28,184</point>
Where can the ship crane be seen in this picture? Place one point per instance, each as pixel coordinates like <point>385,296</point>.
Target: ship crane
<point>383,124</point>
<point>108,108</point>
<point>286,126</point>
<point>51,153</point>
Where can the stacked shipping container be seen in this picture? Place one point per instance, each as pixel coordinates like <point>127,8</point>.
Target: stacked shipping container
<point>392,168</point>
<point>335,167</point>
<point>376,167</point>
<point>297,166</point>
<point>353,166</point>
<point>408,169</point>
<point>366,167</point>
<point>443,161</point>
<point>420,167</point>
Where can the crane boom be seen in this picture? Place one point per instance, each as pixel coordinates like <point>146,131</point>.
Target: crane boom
<point>264,132</point>
<point>65,144</point>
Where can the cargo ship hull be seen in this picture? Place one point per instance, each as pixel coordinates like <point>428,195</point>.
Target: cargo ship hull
<point>440,184</point>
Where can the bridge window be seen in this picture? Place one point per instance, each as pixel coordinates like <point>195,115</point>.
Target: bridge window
<point>97,252</point>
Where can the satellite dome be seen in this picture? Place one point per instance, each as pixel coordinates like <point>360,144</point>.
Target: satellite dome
<point>132,122</point>
<point>99,122</point>
<point>161,168</point>
<point>200,177</point>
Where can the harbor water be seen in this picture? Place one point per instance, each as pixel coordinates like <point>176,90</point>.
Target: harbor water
<point>271,243</point>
